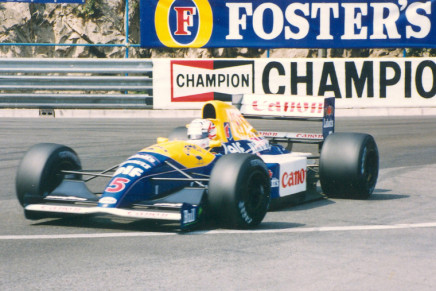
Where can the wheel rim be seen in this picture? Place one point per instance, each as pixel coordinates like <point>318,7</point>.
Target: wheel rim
<point>58,176</point>
<point>369,168</point>
<point>255,195</point>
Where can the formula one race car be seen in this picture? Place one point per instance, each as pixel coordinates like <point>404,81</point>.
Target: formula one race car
<point>218,166</point>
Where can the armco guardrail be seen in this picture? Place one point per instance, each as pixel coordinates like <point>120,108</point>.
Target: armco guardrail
<point>76,83</point>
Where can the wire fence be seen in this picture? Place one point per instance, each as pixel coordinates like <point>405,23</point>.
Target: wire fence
<point>127,45</point>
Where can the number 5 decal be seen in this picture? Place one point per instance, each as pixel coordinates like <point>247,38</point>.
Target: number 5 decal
<point>117,185</point>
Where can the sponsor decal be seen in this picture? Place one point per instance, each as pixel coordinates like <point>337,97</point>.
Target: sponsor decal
<point>275,183</point>
<point>107,200</point>
<point>287,107</point>
<point>355,83</point>
<point>130,171</point>
<point>245,146</point>
<point>283,106</point>
<point>294,178</point>
<point>118,184</point>
<point>142,164</point>
<point>183,23</point>
<point>328,110</point>
<point>328,117</point>
<point>146,157</point>
<point>309,135</point>
<point>189,216</point>
<point>244,212</point>
<point>269,133</point>
<point>148,214</point>
<point>275,134</point>
<point>56,208</point>
<point>157,149</point>
<point>228,132</point>
<point>284,23</point>
<point>239,125</point>
<point>292,175</point>
<point>329,123</point>
<point>351,79</point>
<point>236,147</point>
<point>194,151</point>
<point>205,80</point>
<point>335,21</point>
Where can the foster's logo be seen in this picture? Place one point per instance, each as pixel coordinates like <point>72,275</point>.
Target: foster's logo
<point>183,23</point>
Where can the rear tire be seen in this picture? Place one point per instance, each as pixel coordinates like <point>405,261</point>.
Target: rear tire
<point>39,172</point>
<point>349,165</point>
<point>239,190</point>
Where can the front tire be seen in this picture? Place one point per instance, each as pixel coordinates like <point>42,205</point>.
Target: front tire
<point>349,165</point>
<point>239,190</point>
<point>39,172</point>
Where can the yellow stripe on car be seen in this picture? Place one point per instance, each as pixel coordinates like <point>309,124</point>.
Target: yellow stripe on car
<point>186,154</point>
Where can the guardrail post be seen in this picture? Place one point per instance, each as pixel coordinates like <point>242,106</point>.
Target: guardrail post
<point>126,17</point>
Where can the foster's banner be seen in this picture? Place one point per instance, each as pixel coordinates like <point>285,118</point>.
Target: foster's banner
<point>288,24</point>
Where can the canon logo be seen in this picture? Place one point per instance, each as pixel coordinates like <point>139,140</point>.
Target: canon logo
<point>284,106</point>
<point>290,179</point>
<point>309,135</point>
<point>268,134</point>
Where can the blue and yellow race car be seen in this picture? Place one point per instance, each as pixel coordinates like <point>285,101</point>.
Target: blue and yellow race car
<point>217,166</point>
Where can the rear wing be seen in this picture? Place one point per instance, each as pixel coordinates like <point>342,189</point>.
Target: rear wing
<point>321,109</point>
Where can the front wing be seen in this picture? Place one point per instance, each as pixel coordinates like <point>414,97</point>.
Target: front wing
<point>186,214</point>
<point>183,206</point>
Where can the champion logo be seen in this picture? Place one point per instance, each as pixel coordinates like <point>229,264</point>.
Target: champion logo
<point>205,80</point>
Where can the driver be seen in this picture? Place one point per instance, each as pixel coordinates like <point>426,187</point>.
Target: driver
<point>201,131</point>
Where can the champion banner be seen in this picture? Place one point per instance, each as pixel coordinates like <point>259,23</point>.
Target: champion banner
<point>356,83</point>
<point>288,24</point>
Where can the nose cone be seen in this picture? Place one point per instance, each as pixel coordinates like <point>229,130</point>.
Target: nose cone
<point>129,183</point>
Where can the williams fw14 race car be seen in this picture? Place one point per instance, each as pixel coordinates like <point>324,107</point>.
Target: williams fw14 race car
<point>217,167</point>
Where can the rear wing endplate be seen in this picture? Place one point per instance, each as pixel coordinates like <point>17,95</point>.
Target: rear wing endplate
<point>282,107</point>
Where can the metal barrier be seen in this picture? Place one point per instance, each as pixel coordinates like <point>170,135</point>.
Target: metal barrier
<point>76,83</point>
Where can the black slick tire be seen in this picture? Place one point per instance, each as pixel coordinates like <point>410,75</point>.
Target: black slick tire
<point>239,190</point>
<point>349,165</point>
<point>39,172</point>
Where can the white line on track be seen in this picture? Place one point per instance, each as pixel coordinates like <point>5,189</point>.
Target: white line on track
<point>222,231</point>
